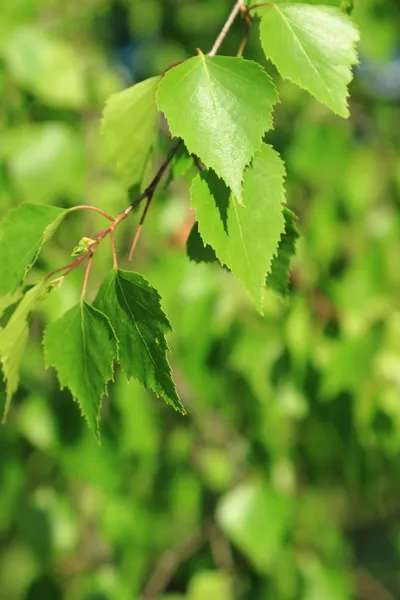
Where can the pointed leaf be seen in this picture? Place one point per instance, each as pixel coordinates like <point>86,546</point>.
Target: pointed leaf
<point>245,238</point>
<point>13,341</point>
<point>221,107</point>
<point>313,46</point>
<point>22,234</point>
<point>133,307</point>
<point>129,129</point>
<point>82,347</point>
<point>278,278</point>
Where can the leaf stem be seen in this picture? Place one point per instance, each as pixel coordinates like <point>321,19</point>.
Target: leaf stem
<point>94,208</point>
<point>249,24</point>
<point>113,250</point>
<point>260,5</point>
<point>239,7</point>
<point>139,229</point>
<point>87,273</point>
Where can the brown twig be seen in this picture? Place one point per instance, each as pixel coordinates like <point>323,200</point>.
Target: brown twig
<point>168,564</point>
<point>248,23</point>
<point>149,195</point>
<point>239,7</point>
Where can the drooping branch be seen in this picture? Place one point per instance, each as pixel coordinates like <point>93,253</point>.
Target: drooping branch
<point>149,191</point>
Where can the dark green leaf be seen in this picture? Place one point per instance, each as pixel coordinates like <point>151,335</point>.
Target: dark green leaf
<point>133,307</point>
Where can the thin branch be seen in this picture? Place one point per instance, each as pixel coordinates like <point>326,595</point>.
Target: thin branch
<point>168,564</point>
<point>94,208</point>
<point>68,268</point>
<point>239,6</point>
<point>139,229</point>
<point>249,24</point>
<point>149,191</point>
<point>87,273</point>
<point>113,250</point>
<point>152,187</point>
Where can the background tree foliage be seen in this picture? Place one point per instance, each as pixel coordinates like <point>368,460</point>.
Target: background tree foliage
<point>283,481</point>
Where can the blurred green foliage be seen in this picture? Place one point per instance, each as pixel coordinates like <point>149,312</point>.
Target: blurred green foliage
<point>283,481</point>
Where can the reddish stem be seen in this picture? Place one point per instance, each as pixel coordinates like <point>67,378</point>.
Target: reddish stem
<point>94,208</point>
<point>261,5</point>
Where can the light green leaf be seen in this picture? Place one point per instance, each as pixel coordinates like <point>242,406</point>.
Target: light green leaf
<point>47,67</point>
<point>211,584</point>
<point>245,238</point>
<point>313,46</point>
<point>221,107</point>
<point>23,232</point>
<point>129,129</point>
<point>82,347</point>
<point>256,518</point>
<point>46,161</point>
<point>133,307</point>
<point>278,278</point>
<point>13,341</point>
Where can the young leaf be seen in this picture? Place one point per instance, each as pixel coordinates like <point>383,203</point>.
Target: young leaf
<point>313,46</point>
<point>22,234</point>
<point>278,278</point>
<point>82,347</point>
<point>129,129</point>
<point>197,250</point>
<point>13,341</point>
<point>221,107</point>
<point>245,238</point>
<point>133,307</point>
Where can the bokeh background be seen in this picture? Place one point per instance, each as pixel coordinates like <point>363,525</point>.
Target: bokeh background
<point>283,482</point>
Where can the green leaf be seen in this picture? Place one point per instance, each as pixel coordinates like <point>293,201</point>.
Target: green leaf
<point>47,67</point>
<point>22,234</point>
<point>211,584</point>
<point>313,46</point>
<point>278,278</point>
<point>129,129</point>
<point>82,347</point>
<point>133,307</point>
<point>245,238</point>
<point>256,518</point>
<point>221,107</point>
<point>13,341</point>
<point>196,250</point>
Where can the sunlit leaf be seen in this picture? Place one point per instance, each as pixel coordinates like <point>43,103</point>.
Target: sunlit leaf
<point>313,46</point>
<point>13,341</point>
<point>245,238</point>
<point>23,232</point>
<point>129,129</point>
<point>221,107</point>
